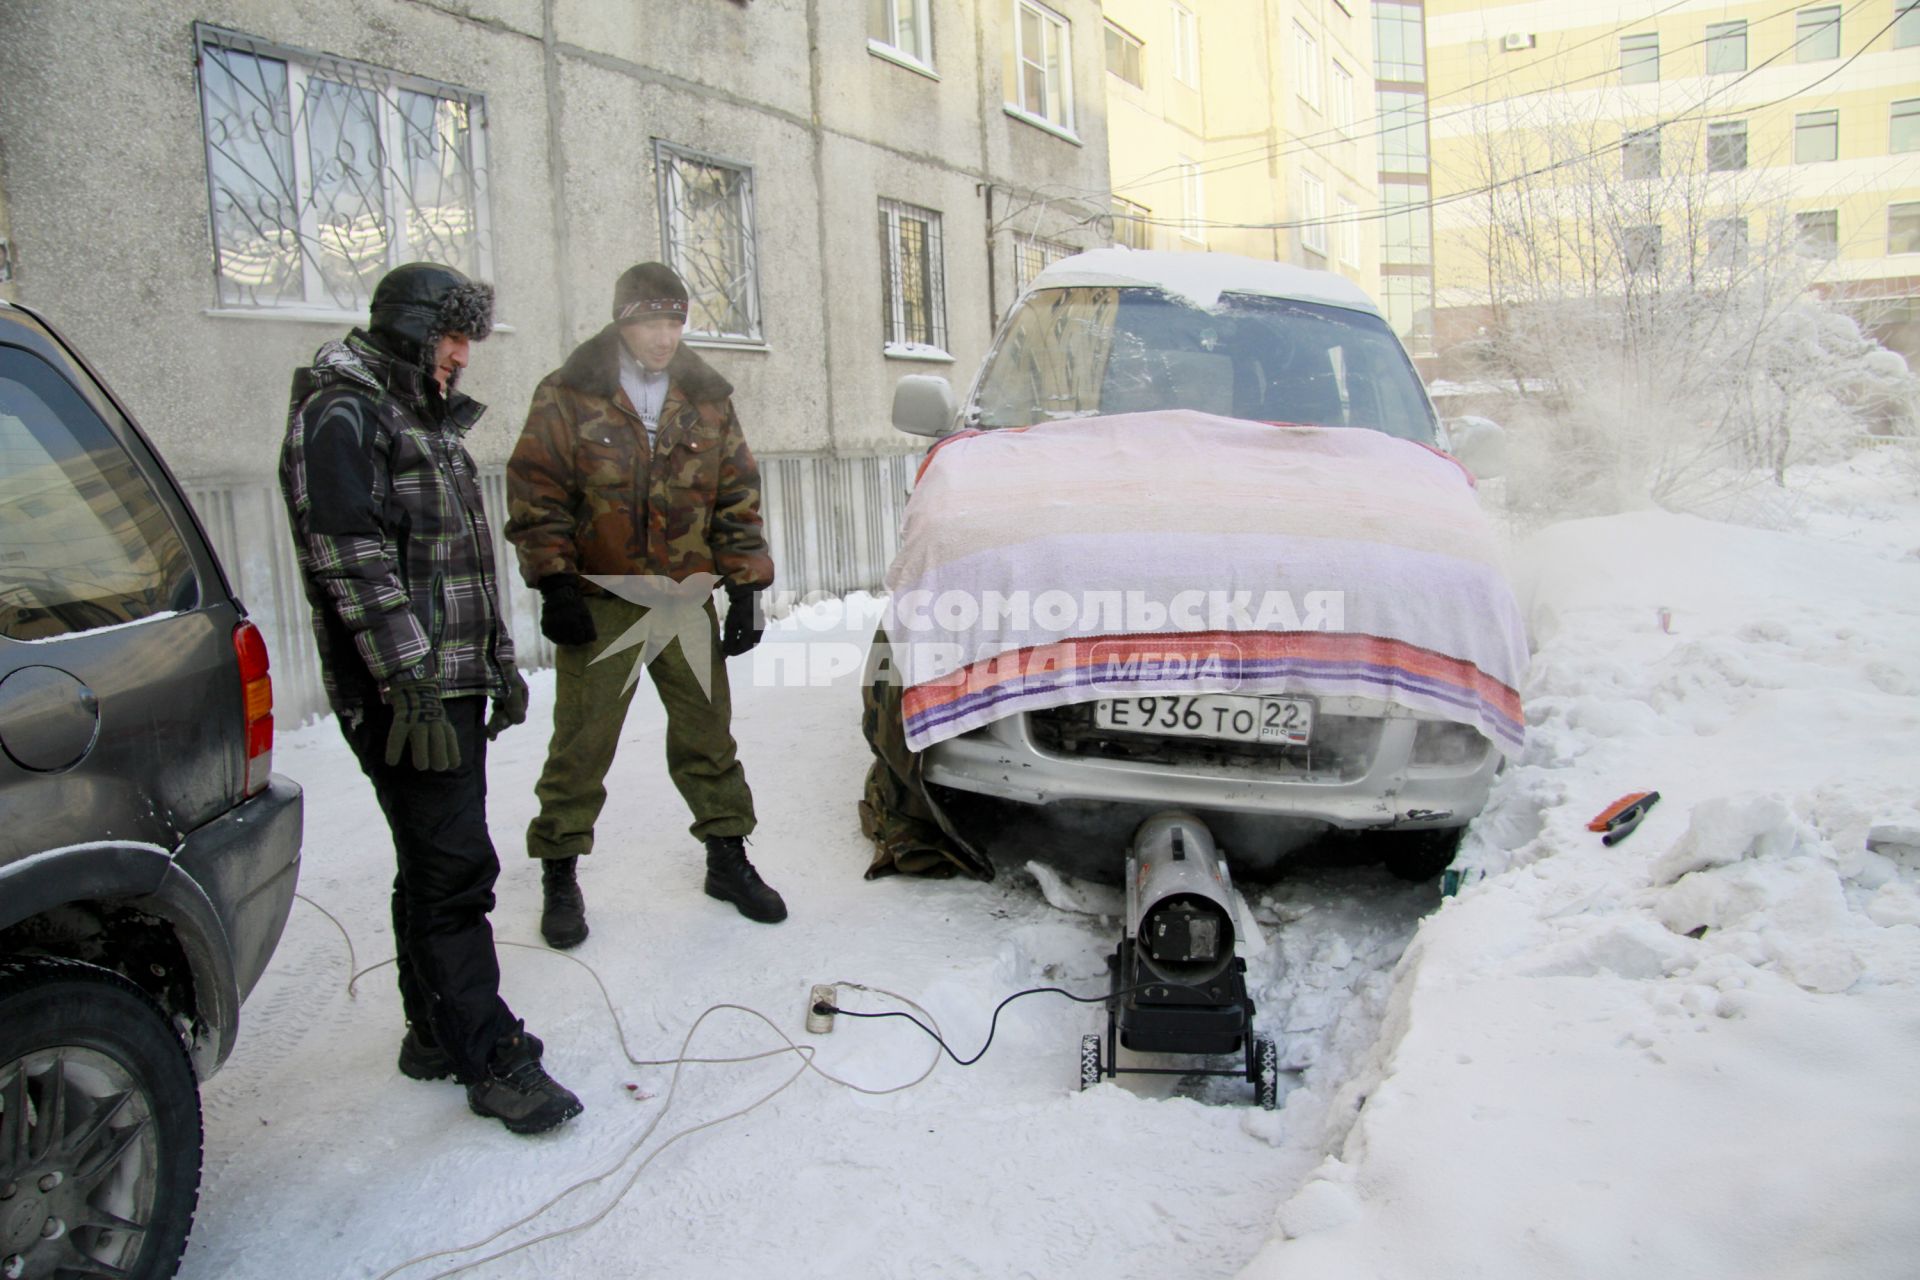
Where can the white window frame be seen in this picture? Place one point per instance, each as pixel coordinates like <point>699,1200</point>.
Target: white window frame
<point>1903,208</point>
<point>316,302</point>
<point>1906,23</point>
<point>1313,199</point>
<point>1636,145</point>
<point>917,59</point>
<point>1055,114</point>
<point>1349,232</point>
<point>1340,89</point>
<point>673,225</point>
<point>894,341</point>
<point>1728,129</point>
<point>1306,66</point>
<point>1823,249</point>
<point>1133,44</point>
<point>1185,46</point>
<point>1193,201</point>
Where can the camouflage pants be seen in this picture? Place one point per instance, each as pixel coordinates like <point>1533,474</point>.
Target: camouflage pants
<point>894,811</point>
<point>590,706</point>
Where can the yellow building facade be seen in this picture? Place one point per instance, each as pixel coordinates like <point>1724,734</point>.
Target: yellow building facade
<point>1793,129</point>
<point>1245,126</point>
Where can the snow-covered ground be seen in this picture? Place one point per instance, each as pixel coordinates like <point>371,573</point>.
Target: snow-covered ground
<point>1691,1054</point>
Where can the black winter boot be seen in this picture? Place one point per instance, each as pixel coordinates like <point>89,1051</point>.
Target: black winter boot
<point>518,1092</point>
<point>422,1058</point>
<point>731,878</point>
<point>563,915</point>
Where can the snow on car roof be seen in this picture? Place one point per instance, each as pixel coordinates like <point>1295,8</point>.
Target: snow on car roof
<point>1202,277</point>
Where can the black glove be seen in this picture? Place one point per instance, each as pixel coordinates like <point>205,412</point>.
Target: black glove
<point>563,610</point>
<point>510,708</point>
<point>744,625</point>
<point>420,725</point>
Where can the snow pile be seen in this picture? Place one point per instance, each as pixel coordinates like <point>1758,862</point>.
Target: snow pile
<point>1689,1053</point>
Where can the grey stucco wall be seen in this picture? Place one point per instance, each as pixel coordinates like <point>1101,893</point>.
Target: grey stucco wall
<point>105,172</point>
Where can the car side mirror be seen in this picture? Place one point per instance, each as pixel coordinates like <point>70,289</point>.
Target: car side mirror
<point>923,405</point>
<point>1480,445</point>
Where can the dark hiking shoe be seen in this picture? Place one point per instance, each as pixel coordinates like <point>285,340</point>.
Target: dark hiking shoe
<point>518,1092</point>
<point>422,1059</point>
<point>731,878</point>
<point>563,913</point>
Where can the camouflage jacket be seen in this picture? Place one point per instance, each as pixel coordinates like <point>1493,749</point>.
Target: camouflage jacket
<point>585,494</point>
<point>389,529</point>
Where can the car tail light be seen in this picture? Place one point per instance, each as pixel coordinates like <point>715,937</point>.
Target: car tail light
<point>256,697</point>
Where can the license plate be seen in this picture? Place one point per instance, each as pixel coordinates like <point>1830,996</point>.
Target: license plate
<point>1229,716</point>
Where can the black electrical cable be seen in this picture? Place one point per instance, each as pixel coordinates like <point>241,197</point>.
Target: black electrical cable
<point>822,1006</point>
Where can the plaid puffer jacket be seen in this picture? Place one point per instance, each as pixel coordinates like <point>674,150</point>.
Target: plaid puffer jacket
<point>389,529</point>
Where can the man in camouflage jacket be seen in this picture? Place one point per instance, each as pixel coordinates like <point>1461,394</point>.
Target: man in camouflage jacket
<point>397,562</point>
<point>633,466</point>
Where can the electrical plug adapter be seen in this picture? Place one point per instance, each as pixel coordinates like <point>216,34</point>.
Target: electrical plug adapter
<point>819,1023</point>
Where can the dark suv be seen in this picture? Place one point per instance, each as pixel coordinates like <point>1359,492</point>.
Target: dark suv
<point>148,855</point>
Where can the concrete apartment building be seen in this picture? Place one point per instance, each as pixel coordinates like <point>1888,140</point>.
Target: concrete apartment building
<point>1229,120</point>
<point>202,193</point>
<point>1809,115</point>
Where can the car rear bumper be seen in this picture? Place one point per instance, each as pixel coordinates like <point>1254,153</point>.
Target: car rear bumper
<point>247,863</point>
<point>1385,789</point>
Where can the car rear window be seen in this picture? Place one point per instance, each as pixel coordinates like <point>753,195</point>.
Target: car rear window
<point>84,540</point>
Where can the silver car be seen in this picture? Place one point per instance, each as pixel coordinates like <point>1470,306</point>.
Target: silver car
<point>1117,332</point>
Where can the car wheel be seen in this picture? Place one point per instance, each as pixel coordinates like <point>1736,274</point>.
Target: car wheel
<point>1420,855</point>
<point>1090,1068</point>
<point>99,1126</point>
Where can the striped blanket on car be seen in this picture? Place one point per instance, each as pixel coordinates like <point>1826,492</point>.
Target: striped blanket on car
<point>1182,553</point>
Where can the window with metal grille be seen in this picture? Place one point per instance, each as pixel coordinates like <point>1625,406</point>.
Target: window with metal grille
<point>1123,56</point>
<point>913,285</point>
<point>1726,145</point>
<point>1640,58</point>
<point>1043,64</point>
<point>1816,136</point>
<point>706,229</point>
<point>323,173</point>
<point>1726,47</point>
<point>1032,255</point>
<point>1640,153</point>
<point>1903,228</point>
<point>1132,224</point>
<point>1816,234</point>
<point>1816,34</point>
<point>1903,130</point>
<point>903,28</point>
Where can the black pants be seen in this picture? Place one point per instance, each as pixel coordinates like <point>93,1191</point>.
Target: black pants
<point>449,974</point>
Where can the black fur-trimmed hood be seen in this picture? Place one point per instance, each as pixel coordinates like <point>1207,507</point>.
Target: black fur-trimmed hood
<point>594,369</point>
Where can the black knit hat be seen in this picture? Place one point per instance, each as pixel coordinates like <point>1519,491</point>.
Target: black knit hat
<point>421,302</point>
<point>650,289</point>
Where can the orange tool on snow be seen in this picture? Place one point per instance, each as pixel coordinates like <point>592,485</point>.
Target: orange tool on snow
<point>1619,819</point>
